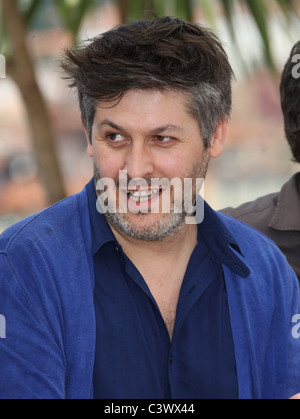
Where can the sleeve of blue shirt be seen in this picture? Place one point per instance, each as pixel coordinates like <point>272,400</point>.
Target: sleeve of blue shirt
<point>46,301</point>
<point>31,359</point>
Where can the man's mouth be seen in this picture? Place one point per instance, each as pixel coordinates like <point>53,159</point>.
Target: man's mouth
<point>143,195</point>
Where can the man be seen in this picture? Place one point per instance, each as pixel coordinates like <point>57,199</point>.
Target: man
<point>120,293</point>
<point>278,215</point>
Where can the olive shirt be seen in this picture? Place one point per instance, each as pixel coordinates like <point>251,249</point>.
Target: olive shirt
<point>278,217</point>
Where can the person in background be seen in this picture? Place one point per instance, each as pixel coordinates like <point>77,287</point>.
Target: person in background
<point>104,298</point>
<point>278,215</point>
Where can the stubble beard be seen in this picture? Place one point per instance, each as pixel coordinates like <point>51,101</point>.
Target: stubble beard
<point>168,225</point>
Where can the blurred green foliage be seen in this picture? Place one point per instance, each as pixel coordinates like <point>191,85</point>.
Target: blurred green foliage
<point>70,14</point>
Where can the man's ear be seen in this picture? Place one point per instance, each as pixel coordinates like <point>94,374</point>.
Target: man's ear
<point>217,143</point>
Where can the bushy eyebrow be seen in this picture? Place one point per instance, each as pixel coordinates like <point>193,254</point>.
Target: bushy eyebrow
<point>160,129</point>
<point>108,123</point>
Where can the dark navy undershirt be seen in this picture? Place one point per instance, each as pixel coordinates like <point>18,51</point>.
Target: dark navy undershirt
<point>135,358</point>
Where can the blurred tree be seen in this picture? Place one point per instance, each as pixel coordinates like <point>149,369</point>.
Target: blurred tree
<point>259,10</point>
<point>20,69</point>
<point>135,9</point>
<point>72,12</point>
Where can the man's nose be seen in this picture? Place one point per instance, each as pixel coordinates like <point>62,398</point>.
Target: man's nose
<point>139,162</point>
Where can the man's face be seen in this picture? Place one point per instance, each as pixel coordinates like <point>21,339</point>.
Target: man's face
<point>149,135</point>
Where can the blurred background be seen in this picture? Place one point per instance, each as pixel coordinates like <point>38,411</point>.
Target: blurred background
<point>42,145</point>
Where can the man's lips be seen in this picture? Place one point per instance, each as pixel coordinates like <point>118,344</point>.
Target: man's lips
<point>142,195</point>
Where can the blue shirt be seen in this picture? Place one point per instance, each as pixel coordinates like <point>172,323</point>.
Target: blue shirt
<point>134,355</point>
<point>47,283</point>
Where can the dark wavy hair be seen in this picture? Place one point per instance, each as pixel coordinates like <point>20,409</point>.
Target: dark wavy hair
<point>290,102</point>
<point>161,53</point>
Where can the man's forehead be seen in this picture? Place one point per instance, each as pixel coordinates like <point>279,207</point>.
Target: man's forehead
<point>158,110</point>
<point>100,125</point>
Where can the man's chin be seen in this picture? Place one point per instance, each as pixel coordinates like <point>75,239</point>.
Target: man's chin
<point>146,227</point>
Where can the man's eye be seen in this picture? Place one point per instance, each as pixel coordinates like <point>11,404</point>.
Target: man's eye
<point>163,139</point>
<point>115,138</point>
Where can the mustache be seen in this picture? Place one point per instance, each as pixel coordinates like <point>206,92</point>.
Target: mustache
<point>124,180</point>
<point>132,182</point>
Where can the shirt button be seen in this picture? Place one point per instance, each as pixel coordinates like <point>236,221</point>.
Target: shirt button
<point>171,359</point>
